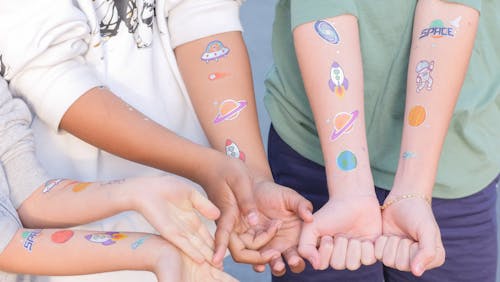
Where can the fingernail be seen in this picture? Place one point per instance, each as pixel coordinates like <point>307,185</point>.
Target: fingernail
<point>419,269</point>
<point>252,218</point>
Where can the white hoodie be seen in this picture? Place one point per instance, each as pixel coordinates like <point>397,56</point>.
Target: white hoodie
<point>53,51</point>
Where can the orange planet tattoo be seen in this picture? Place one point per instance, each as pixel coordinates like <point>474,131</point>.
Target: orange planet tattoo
<point>416,116</point>
<point>81,186</point>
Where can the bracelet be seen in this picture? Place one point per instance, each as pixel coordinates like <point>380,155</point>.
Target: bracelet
<point>404,197</point>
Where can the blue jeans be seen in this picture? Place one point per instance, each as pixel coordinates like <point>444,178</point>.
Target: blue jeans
<point>468,226</point>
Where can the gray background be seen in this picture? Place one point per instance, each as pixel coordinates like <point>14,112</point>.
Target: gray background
<point>257,17</point>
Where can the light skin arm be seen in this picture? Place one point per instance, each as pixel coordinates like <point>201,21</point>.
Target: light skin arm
<point>168,203</point>
<point>105,121</point>
<point>214,83</point>
<point>434,90</point>
<point>332,72</point>
<point>82,252</point>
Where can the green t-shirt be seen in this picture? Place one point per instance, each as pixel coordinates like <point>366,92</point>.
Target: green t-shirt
<point>470,157</point>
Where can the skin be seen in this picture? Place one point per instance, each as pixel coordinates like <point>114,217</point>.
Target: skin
<point>412,240</point>
<point>155,255</point>
<point>351,216</point>
<point>172,211</point>
<point>288,207</point>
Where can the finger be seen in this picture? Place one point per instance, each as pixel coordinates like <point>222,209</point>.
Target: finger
<point>243,192</point>
<point>402,261</point>
<point>390,249</point>
<point>278,267</point>
<point>368,253</point>
<point>183,243</point>
<point>206,236</point>
<point>325,252</point>
<point>353,256</point>
<point>259,268</point>
<point>218,275</point>
<point>204,206</point>
<point>257,240</point>
<point>426,252</point>
<point>339,253</point>
<point>294,260</point>
<point>222,234</point>
<point>299,205</point>
<point>379,247</point>
<point>199,243</point>
<point>243,255</point>
<point>307,244</point>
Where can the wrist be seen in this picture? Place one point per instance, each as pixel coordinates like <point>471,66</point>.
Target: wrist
<point>355,184</point>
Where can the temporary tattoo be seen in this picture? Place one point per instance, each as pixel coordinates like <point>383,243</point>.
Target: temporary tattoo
<point>233,151</point>
<point>217,75</point>
<point>105,239</point>
<point>117,181</point>
<point>424,78</point>
<point>62,236</point>
<point>347,161</point>
<point>338,82</point>
<point>214,51</point>
<point>81,186</point>
<point>139,242</point>
<point>456,22</point>
<point>416,116</point>
<point>50,184</point>
<point>343,124</point>
<point>29,239</point>
<point>437,30</point>
<point>326,31</point>
<point>229,110</point>
<point>409,155</point>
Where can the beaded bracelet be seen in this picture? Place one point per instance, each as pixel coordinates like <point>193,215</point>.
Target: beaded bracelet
<point>404,197</point>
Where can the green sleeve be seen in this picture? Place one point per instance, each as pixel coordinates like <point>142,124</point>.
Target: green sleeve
<point>476,4</point>
<point>304,11</point>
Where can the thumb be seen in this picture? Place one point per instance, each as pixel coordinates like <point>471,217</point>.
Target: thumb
<point>204,206</point>
<point>426,251</point>
<point>307,244</point>
<point>299,205</point>
<point>243,192</point>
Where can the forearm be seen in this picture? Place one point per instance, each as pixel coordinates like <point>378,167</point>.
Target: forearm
<point>333,79</point>
<point>437,67</point>
<point>66,203</point>
<point>105,121</point>
<point>67,252</point>
<point>220,81</point>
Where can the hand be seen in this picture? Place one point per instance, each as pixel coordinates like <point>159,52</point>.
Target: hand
<point>174,265</point>
<point>354,222</point>
<point>229,186</point>
<point>411,238</point>
<point>281,203</point>
<point>170,204</point>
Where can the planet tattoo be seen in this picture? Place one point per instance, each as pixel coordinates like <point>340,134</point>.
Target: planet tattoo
<point>229,110</point>
<point>327,32</point>
<point>343,124</point>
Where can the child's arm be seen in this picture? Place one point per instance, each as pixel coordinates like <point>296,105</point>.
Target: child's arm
<point>43,56</point>
<point>71,252</point>
<point>217,73</point>
<point>443,38</point>
<point>168,203</point>
<point>329,57</point>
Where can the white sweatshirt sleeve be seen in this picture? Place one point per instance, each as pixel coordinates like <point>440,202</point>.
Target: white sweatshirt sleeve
<point>42,44</point>
<point>22,171</point>
<point>194,19</point>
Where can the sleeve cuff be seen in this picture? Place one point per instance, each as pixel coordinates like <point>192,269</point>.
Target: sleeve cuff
<point>475,4</point>
<point>53,92</point>
<point>302,11</point>
<point>194,21</point>
<point>8,224</point>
